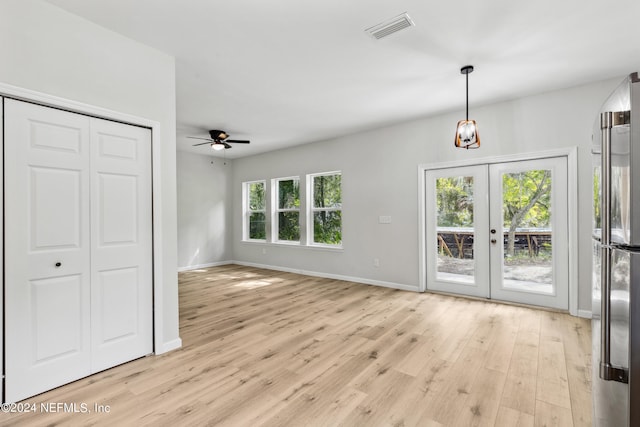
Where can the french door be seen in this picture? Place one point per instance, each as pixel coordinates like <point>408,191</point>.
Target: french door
<point>500,231</point>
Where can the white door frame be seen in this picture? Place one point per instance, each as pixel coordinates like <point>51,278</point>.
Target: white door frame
<point>159,345</point>
<point>572,177</point>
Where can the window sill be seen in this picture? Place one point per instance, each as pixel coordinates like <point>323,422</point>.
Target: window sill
<point>328,248</point>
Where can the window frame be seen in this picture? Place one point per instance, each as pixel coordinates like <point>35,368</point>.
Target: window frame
<point>247,211</point>
<point>311,210</point>
<point>276,210</point>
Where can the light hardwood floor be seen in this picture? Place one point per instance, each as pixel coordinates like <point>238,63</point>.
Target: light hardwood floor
<point>266,348</point>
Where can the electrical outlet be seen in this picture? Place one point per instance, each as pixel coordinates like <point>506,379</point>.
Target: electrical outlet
<point>264,251</point>
<point>376,262</point>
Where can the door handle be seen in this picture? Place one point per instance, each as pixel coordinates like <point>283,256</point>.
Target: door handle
<point>493,241</point>
<point>608,372</point>
<point>58,264</point>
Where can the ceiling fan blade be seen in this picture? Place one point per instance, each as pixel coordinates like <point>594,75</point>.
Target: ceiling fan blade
<point>202,143</point>
<point>238,141</point>
<point>197,137</point>
<point>225,144</point>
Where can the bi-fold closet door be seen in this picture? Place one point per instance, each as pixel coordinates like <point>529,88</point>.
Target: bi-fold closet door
<point>78,246</point>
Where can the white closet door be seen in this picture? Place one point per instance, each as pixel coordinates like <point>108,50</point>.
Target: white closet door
<point>121,260</point>
<point>78,238</point>
<point>47,265</point>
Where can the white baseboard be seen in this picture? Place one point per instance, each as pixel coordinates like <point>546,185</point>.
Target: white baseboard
<point>331,276</point>
<point>210,264</point>
<point>169,346</point>
<point>585,314</point>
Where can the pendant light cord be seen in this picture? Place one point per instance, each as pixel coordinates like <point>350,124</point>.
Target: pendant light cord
<point>467,75</point>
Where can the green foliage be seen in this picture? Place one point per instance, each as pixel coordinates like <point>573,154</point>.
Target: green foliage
<point>455,201</point>
<point>257,204</point>
<point>257,228</point>
<point>256,196</point>
<point>289,194</point>
<point>327,191</point>
<point>289,198</point>
<point>327,224</point>
<point>289,226</point>
<point>528,191</point>
<point>526,202</point>
<point>327,227</point>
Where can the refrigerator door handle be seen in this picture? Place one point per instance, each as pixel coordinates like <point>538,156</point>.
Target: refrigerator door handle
<point>607,371</point>
<point>606,123</point>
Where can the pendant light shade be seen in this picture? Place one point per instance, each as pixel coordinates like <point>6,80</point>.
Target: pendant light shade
<point>467,130</point>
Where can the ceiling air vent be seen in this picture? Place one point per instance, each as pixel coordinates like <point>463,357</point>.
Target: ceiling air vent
<point>389,27</point>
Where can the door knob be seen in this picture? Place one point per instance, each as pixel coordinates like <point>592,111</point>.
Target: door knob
<point>58,264</point>
<point>493,231</point>
<point>493,241</point>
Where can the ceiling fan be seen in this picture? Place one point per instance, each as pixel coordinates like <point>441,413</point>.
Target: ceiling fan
<point>219,140</point>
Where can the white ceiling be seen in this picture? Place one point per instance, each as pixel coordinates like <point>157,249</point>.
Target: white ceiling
<point>286,72</point>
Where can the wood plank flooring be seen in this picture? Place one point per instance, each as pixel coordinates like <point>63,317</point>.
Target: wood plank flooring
<point>266,348</point>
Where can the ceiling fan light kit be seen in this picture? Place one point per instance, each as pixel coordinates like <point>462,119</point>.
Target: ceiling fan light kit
<point>467,130</point>
<point>218,140</point>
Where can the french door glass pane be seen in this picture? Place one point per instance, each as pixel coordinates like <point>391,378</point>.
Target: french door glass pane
<point>455,229</point>
<point>527,231</point>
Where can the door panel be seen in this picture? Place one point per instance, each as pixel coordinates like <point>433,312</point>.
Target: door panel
<point>55,193</point>
<point>117,212</point>
<point>529,260</point>
<point>118,303</point>
<point>57,306</point>
<point>121,256</point>
<point>47,313</point>
<point>457,236</point>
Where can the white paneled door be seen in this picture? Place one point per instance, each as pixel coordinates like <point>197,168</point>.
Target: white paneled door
<point>121,239</point>
<point>78,281</point>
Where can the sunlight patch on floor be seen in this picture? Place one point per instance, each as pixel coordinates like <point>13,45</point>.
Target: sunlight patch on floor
<point>252,284</point>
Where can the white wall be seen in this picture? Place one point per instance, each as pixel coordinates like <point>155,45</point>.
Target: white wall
<point>380,178</point>
<point>204,210</point>
<point>48,50</point>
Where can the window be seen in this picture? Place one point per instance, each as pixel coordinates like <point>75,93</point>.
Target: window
<point>325,208</point>
<point>272,215</point>
<point>287,211</point>
<point>255,211</point>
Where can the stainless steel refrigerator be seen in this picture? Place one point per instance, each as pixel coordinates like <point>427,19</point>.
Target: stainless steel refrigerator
<point>616,259</point>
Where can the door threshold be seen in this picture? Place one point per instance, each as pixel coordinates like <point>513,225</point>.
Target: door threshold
<point>497,301</point>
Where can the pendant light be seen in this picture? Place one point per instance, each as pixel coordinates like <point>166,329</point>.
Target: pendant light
<point>467,130</point>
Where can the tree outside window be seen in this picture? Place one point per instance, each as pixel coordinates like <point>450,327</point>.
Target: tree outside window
<point>255,211</point>
<point>326,208</point>
<point>288,209</point>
